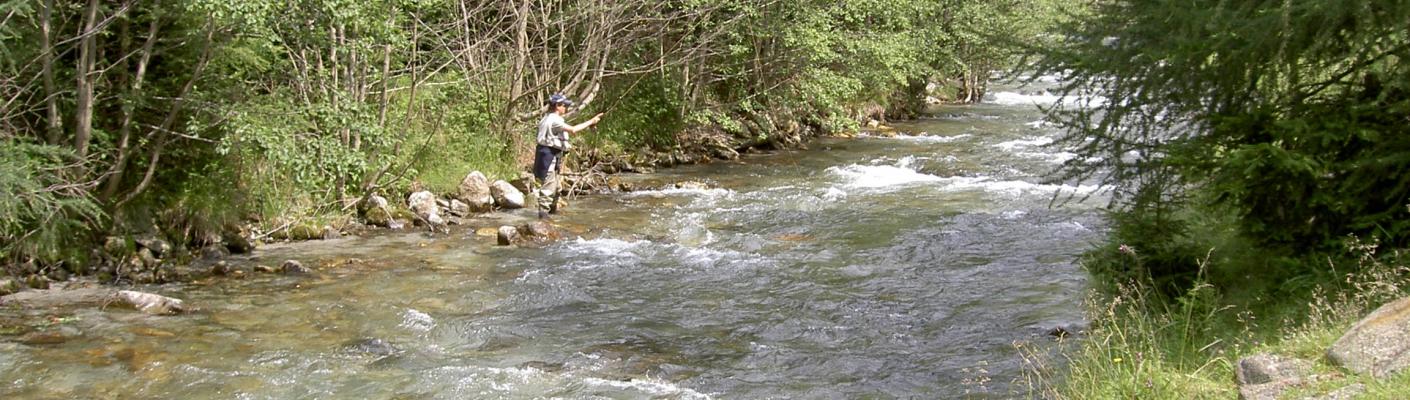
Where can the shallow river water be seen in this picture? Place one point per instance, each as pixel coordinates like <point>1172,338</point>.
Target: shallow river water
<point>874,267</point>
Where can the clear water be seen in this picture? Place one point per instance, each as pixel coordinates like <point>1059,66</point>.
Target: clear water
<point>863,268</point>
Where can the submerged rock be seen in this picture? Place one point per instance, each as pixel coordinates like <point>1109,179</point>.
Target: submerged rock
<point>540,232</point>
<point>293,267</point>
<point>372,346</point>
<point>151,303</point>
<point>1379,344</point>
<point>506,195</point>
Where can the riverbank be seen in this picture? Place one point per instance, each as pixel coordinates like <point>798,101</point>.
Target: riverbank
<point>1253,339</point>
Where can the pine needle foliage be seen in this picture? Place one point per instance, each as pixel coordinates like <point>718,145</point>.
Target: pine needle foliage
<point>1292,114</point>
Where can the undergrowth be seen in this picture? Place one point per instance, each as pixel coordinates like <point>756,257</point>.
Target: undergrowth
<point>1145,345</point>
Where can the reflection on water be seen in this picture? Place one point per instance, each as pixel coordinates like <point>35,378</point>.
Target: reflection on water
<point>881,267</point>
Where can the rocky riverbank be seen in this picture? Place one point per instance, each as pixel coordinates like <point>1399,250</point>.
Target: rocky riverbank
<point>156,258</point>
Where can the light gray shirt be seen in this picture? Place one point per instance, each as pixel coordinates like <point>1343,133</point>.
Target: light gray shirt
<point>553,132</point>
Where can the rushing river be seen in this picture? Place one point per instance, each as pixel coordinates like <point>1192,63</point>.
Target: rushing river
<point>873,267</point>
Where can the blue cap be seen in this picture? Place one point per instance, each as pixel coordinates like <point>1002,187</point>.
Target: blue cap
<point>559,98</point>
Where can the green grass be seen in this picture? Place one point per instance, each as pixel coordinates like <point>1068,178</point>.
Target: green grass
<point>1142,345</point>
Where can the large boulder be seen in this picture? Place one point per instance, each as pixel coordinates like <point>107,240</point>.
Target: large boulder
<point>1268,376</point>
<point>506,195</point>
<point>1266,368</point>
<point>1378,345</point>
<point>475,192</point>
<point>423,203</point>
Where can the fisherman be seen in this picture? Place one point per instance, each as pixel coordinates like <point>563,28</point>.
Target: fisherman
<point>552,144</point>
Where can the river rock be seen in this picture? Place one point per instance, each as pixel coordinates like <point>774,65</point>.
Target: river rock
<point>379,216</point>
<point>117,246</point>
<point>8,286</point>
<point>330,233</point>
<point>159,248</point>
<point>293,267</point>
<point>506,195</point>
<point>423,203</point>
<point>371,346</point>
<point>507,235</point>
<point>237,242</point>
<point>540,232</point>
<point>37,281</point>
<point>374,201</point>
<point>525,182</point>
<point>475,192</point>
<point>1379,344</point>
<point>151,303</point>
<point>220,268</point>
<point>209,253</point>
<point>459,208</point>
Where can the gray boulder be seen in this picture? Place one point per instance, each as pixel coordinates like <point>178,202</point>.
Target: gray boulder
<point>1379,344</point>
<point>475,192</point>
<point>1267,376</point>
<point>506,195</point>
<point>159,248</point>
<point>423,203</point>
<point>1267,368</point>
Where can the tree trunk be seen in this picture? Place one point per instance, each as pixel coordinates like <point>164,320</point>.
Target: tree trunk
<point>55,125</point>
<point>124,151</point>
<point>83,120</point>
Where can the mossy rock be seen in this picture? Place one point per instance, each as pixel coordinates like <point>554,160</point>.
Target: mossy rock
<point>402,213</point>
<point>377,216</point>
<point>300,232</point>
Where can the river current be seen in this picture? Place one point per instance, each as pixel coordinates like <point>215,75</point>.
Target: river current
<point>872,267</point>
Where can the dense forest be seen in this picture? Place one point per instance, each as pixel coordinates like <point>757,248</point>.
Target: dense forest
<point>191,118</point>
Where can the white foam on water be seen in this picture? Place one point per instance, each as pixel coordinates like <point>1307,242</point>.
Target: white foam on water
<point>987,184</point>
<point>712,193</point>
<point>1030,142</point>
<point>1013,214</point>
<point>1045,99</point>
<point>933,139</point>
<point>879,176</point>
<point>608,246</point>
<point>1038,124</point>
<point>417,320</point>
<point>649,386</point>
<point>833,194</point>
<point>1055,158</point>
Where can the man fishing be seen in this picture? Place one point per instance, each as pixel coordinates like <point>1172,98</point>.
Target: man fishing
<point>552,144</point>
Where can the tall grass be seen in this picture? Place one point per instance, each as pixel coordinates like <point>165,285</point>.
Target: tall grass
<point>1142,345</point>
